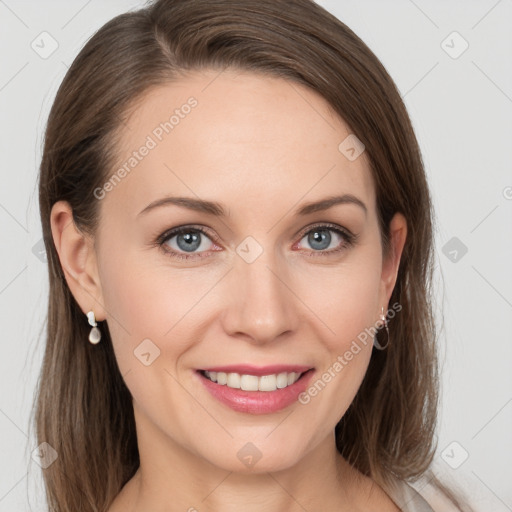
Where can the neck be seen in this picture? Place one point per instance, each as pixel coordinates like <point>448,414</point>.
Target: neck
<point>170,475</point>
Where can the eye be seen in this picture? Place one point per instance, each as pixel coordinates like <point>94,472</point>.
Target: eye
<point>185,242</point>
<point>320,239</point>
<point>190,242</point>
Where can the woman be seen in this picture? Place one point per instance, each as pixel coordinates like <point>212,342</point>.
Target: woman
<point>239,237</point>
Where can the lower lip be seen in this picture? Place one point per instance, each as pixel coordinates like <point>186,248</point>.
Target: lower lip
<point>257,402</point>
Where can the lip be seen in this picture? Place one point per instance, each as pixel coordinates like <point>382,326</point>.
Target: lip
<point>258,402</point>
<point>258,371</point>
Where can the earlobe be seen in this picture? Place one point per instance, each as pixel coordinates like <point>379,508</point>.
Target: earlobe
<point>397,238</point>
<point>78,260</point>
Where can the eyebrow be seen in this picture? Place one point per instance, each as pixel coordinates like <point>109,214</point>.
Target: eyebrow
<point>214,208</point>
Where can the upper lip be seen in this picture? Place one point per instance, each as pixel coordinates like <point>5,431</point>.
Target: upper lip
<point>247,369</point>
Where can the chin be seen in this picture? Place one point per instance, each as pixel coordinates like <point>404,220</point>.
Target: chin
<point>250,461</point>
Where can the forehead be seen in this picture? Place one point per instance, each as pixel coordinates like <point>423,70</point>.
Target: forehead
<point>226,135</point>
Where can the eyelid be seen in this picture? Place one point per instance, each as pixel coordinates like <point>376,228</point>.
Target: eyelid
<point>177,230</point>
<point>350,238</point>
<point>335,227</point>
<point>184,228</point>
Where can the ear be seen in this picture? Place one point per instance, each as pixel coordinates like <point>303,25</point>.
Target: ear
<point>397,236</point>
<point>78,260</point>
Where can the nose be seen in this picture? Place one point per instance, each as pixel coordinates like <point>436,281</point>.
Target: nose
<point>262,305</point>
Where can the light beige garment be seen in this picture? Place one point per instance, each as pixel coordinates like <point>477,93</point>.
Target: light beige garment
<point>407,498</point>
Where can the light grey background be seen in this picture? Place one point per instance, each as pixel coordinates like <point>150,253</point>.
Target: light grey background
<point>461,109</point>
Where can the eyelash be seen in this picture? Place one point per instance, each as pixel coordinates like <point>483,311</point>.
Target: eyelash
<point>349,239</point>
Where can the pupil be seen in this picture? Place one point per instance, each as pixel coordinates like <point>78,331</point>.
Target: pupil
<point>318,238</point>
<point>191,241</point>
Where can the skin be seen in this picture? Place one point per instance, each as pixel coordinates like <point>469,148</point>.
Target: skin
<point>262,147</point>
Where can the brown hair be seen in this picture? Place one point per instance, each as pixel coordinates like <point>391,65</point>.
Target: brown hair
<point>84,408</point>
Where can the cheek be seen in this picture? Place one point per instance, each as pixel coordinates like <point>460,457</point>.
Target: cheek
<point>145,307</point>
<point>346,298</point>
<point>349,307</point>
<point>349,311</point>
<point>142,301</point>
<point>147,300</point>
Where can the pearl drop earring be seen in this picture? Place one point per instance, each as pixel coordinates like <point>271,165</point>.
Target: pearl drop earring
<point>95,334</point>
<point>384,321</point>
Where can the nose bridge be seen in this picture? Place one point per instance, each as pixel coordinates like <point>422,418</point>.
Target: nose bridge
<point>262,305</point>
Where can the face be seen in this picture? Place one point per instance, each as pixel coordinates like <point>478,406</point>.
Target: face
<point>260,285</point>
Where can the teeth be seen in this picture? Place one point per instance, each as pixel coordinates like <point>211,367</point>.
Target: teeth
<point>233,380</point>
<point>252,382</point>
<point>248,382</point>
<point>267,383</point>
